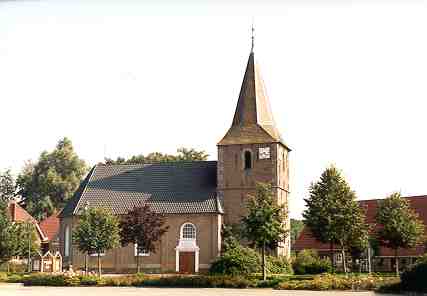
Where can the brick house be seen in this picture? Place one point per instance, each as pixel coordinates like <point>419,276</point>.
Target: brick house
<point>50,229</point>
<point>196,197</point>
<point>19,214</point>
<point>382,258</point>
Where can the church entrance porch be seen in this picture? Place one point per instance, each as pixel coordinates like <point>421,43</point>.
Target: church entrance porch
<point>187,250</point>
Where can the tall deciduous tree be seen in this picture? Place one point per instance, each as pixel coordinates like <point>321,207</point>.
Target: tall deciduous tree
<point>48,184</point>
<point>143,227</point>
<point>264,226</point>
<point>183,154</point>
<point>333,214</point>
<point>98,231</point>
<point>400,226</point>
<point>7,186</point>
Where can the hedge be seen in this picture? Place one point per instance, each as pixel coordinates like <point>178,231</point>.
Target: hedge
<point>319,282</point>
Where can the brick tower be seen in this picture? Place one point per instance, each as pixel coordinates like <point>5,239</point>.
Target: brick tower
<point>252,151</point>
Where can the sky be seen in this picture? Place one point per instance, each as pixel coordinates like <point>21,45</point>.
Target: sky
<point>347,82</point>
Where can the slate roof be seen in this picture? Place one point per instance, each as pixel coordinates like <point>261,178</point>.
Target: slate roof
<point>172,188</point>
<point>306,239</point>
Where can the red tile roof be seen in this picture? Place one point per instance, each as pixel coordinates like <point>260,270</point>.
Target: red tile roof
<point>417,203</point>
<point>50,226</point>
<point>17,213</point>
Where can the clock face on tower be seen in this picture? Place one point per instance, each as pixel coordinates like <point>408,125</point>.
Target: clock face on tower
<point>264,153</point>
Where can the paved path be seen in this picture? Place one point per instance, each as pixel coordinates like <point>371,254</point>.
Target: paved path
<point>19,290</point>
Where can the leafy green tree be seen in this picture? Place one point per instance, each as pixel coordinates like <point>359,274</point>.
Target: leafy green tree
<point>296,227</point>
<point>16,239</point>
<point>97,231</point>
<point>183,154</point>
<point>143,227</point>
<point>48,184</point>
<point>7,186</point>
<point>265,223</point>
<point>27,245</point>
<point>8,238</point>
<point>333,214</point>
<point>400,226</point>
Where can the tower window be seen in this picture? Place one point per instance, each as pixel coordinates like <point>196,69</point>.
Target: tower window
<point>248,160</point>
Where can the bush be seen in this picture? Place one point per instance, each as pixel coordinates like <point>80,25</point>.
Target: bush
<point>308,262</point>
<point>414,278</point>
<point>51,280</point>
<point>236,260</point>
<point>91,280</point>
<point>200,282</point>
<point>278,265</point>
<point>3,277</point>
<point>337,282</point>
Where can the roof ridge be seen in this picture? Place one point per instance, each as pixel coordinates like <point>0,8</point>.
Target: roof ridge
<point>158,162</point>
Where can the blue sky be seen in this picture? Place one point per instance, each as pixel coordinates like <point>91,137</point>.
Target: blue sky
<point>346,81</point>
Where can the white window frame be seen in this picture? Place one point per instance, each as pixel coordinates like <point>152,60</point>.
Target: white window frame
<point>141,254</point>
<point>67,241</point>
<point>182,232</point>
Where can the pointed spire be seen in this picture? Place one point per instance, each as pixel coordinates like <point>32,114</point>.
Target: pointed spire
<point>253,36</point>
<point>253,120</point>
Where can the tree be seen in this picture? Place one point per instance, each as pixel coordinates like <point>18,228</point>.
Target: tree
<point>98,231</point>
<point>7,186</point>
<point>264,225</point>
<point>48,184</point>
<point>8,238</point>
<point>16,239</point>
<point>333,214</point>
<point>296,227</point>
<point>400,226</point>
<point>183,154</point>
<point>143,227</point>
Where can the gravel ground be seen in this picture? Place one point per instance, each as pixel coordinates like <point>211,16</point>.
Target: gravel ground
<point>20,290</point>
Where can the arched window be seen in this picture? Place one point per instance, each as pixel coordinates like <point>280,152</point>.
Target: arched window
<point>188,231</point>
<point>248,160</point>
<point>67,241</point>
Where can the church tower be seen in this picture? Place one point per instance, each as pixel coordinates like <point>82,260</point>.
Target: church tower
<point>252,151</point>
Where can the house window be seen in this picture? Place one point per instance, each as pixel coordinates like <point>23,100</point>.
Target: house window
<point>141,253</point>
<point>67,241</point>
<point>248,160</point>
<point>188,231</point>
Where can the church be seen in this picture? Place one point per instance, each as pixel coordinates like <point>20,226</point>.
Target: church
<point>197,197</point>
